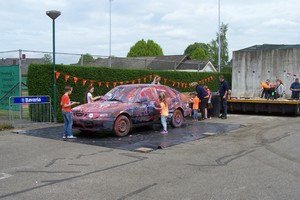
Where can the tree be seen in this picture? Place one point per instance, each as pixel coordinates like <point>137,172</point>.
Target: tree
<point>214,44</point>
<point>199,54</point>
<point>197,45</point>
<point>87,58</point>
<point>143,48</point>
<point>47,59</point>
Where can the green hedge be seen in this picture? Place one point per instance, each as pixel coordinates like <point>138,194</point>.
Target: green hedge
<point>40,77</point>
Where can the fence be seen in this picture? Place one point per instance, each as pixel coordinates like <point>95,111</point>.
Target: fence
<point>21,59</point>
<point>30,108</point>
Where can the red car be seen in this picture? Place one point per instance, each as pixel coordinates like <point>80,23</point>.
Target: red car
<point>128,106</point>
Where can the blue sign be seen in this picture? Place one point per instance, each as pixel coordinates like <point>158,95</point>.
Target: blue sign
<point>31,100</point>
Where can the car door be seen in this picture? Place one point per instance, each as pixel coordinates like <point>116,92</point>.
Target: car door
<point>146,100</point>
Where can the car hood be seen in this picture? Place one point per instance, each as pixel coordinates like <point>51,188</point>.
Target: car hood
<point>104,106</point>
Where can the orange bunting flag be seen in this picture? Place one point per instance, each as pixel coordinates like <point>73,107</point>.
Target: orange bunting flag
<point>92,82</point>
<point>114,84</point>
<point>83,82</point>
<point>67,77</point>
<point>107,84</point>
<point>145,79</point>
<point>133,81</point>
<point>173,83</point>
<point>182,85</point>
<point>99,84</point>
<point>150,77</point>
<point>139,80</point>
<point>165,81</point>
<point>57,74</point>
<point>178,84</point>
<point>75,79</point>
<point>121,83</point>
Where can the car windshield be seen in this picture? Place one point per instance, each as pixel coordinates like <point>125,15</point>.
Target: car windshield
<point>123,94</point>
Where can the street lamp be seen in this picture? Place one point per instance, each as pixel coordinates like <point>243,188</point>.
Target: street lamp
<point>219,39</point>
<point>109,64</point>
<point>53,14</point>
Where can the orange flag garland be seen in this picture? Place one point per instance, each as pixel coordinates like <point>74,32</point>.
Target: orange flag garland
<point>57,74</point>
<point>92,82</point>
<point>139,80</point>
<point>75,79</point>
<point>67,77</point>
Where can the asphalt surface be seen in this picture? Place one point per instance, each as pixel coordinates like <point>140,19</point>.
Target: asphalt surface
<point>257,158</point>
<point>140,137</point>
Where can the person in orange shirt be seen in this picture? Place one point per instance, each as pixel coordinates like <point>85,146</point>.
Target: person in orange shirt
<point>196,102</point>
<point>265,87</point>
<point>67,114</point>
<point>164,112</point>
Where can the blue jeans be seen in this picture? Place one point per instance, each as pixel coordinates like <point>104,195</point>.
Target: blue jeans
<point>224,106</point>
<point>164,122</point>
<point>195,114</point>
<point>68,122</point>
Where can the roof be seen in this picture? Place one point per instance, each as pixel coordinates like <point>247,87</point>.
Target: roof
<point>169,62</point>
<point>166,62</point>
<point>270,47</point>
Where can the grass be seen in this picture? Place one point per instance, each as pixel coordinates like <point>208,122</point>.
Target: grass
<point>5,126</point>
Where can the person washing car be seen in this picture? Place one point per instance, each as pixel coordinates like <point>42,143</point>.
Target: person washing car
<point>67,114</point>
<point>164,112</point>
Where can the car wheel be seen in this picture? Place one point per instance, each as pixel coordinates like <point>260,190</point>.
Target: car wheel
<point>177,119</point>
<point>122,126</point>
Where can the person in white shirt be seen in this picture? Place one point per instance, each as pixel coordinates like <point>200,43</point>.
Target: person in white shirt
<point>88,95</point>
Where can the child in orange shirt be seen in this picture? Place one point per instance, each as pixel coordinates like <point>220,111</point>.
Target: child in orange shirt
<point>195,101</point>
<point>67,114</point>
<point>164,112</point>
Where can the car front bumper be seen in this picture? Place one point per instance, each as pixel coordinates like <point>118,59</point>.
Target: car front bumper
<point>103,125</point>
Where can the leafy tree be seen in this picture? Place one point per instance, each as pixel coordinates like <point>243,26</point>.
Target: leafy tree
<point>87,58</point>
<point>199,54</point>
<point>47,59</point>
<point>214,44</point>
<point>143,48</point>
<point>193,47</point>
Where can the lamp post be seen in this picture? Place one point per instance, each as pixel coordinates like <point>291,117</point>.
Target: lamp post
<point>219,39</point>
<point>109,64</point>
<point>53,14</point>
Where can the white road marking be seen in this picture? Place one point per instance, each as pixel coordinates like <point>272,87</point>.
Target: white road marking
<point>4,176</point>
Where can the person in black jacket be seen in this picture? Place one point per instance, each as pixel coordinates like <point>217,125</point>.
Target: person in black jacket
<point>223,93</point>
<point>203,96</point>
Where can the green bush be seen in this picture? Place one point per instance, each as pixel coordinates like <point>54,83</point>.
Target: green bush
<point>40,79</point>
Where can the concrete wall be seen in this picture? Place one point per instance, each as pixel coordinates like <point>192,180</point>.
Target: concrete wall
<point>252,66</point>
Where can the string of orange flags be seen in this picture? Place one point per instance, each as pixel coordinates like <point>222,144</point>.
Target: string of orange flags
<point>140,80</point>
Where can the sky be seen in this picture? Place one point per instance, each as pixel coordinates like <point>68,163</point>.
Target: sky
<point>83,26</point>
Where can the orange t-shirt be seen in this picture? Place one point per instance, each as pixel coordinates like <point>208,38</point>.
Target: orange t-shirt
<point>164,109</point>
<point>65,100</point>
<point>264,85</point>
<point>196,101</point>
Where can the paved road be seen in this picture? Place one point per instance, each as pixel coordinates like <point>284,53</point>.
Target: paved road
<point>258,160</point>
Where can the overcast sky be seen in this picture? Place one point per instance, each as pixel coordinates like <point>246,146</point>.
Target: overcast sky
<point>83,26</point>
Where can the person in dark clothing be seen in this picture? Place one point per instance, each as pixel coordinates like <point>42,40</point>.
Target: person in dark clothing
<point>295,88</point>
<point>223,93</point>
<point>203,96</point>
